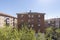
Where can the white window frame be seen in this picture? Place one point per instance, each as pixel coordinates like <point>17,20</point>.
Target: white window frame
<point>32,16</point>
<point>29,16</point>
<point>38,24</point>
<point>32,25</point>
<point>38,15</point>
<point>22,15</point>
<point>29,20</point>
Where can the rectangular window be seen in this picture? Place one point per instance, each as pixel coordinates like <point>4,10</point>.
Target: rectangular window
<point>32,25</point>
<point>28,20</point>
<point>22,15</point>
<point>29,16</point>
<point>32,16</point>
<point>39,16</point>
<point>38,24</point>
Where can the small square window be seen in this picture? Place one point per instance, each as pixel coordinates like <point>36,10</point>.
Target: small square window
<point>38,24</point>
<point>32,25</point>
<point>22,15</point>
<point>32,16</point>
<point>7,21</point>
<point>38,15</point>
<point>29,16</point>
<point>48,21</point>
<point>29,20</point>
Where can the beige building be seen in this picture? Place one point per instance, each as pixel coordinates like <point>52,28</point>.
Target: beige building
<point>54,22</point>
<point>2,21</point>
<point>7,20</point>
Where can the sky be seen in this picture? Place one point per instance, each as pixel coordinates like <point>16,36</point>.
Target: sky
<point>51,8</point>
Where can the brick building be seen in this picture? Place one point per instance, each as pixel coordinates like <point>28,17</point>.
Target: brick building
<point>32,19</point>
<point>7,20</point>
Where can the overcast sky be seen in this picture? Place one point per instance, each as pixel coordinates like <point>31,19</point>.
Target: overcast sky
<point>50,7</point>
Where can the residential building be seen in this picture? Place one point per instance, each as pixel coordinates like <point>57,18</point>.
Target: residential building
<point>7,20</point>
<point>54,22</point>
<point>31,19</point>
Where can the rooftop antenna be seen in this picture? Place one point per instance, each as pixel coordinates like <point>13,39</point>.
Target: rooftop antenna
<point>30,11</point>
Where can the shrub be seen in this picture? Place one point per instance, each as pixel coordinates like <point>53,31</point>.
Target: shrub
<point>13,34</point>
<point>24,33</point>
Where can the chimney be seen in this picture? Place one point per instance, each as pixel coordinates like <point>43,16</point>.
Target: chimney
<point>30,11</point>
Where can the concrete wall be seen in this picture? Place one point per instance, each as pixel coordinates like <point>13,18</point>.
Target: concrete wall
<point>2,21</point>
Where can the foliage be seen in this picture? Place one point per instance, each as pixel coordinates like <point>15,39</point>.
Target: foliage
<point>40,36</point>
<point>53,33</point>
<point>9,33</point>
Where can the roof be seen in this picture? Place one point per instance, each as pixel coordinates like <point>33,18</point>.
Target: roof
<point>53,19</point>
<point>3,14</point>
<point>31,13</point>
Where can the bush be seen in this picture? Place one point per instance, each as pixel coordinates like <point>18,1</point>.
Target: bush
<point>9,33</point>
<point>13,34</point>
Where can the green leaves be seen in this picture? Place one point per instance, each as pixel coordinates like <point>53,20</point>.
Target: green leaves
<point>9,33</point>
<point>24,33</point>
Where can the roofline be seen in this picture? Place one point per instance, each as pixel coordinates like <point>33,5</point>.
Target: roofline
<point>3,14</point>
<point>30,13</point>
<point>52,19</point>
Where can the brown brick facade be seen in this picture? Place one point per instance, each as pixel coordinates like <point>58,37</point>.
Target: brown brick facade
<point>32,19</point>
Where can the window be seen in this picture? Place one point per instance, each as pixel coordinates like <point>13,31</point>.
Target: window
<point>32,25</point>
<point>29,16</point>
<point>38,24</point>
<point>32,16</point>
<point>48,21</point>
<point>7,21</point>
<point>22,15</point>
<point>38,15</point>
<point>38,21</point>
<point>28,20</point>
